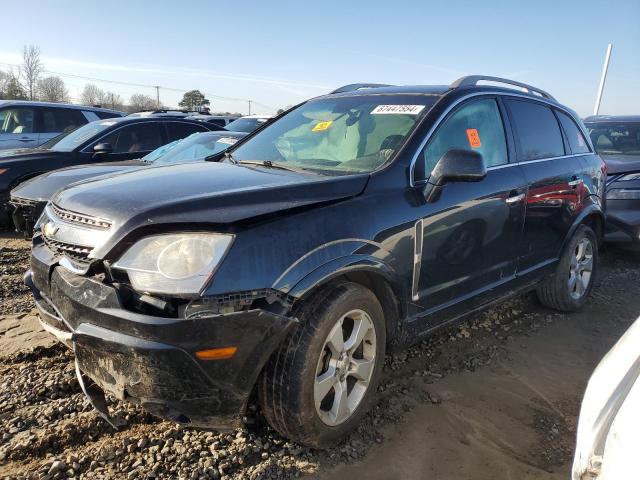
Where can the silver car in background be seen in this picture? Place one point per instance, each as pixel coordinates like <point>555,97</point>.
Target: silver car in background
<point>25,124</point>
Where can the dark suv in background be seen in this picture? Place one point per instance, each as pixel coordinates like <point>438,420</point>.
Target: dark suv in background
<point>354,223</point>
<point>110,140</point>
<point>617,140</point>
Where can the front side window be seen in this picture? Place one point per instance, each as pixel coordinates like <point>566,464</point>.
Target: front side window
<point>476,126</point>
<point>577,142</point>
<point>68,142</point>
<point>246,125</point>
<point>537,130</point>
<point>338,135</point>
<point>60,120</point>
<point>17,120</point>
<point>615,138</point>
<point>135,138</point>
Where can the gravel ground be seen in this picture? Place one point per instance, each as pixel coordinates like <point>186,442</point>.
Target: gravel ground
<point>49,431</point>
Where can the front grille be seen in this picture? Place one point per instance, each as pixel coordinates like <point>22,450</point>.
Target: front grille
<point>80,218</point>
<point>78,253</point>
<point>22,202</point>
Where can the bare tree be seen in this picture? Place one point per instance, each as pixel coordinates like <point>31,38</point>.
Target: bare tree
<point>139,102</point>
<point>113,101</point>
<point>10,88</point>
<point>92,95</point>
<point>31,69</point>
<point>52,89</point>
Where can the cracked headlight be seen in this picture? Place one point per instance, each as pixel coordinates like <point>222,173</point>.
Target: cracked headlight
<point>174,263</point>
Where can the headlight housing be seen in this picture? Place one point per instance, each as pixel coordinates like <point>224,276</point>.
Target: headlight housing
<point>623,194</point>
<point>174,263</point>
<point>629,177</point>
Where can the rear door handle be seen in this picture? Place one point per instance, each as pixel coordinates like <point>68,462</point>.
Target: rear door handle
<point>512,199</point>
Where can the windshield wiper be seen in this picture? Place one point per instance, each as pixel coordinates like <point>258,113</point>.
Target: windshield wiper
<point>270,164</point>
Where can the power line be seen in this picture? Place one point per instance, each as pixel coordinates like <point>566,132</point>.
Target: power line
<point>156,87</point>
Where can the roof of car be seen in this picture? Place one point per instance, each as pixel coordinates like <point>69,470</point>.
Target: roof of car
<point>58,105</point>
<point>152,118</point>
<point>612,118</point>
<point>396,89</point>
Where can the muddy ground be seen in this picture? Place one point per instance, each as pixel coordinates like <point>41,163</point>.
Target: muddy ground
<point>494,398</point>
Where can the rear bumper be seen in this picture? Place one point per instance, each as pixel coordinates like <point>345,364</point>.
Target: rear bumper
<point>151,360</point>
<point>623,224</point>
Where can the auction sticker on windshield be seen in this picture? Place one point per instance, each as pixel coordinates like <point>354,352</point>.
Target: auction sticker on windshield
<point>395,109</point>
<point>227,140</point>
<point>322,126</point>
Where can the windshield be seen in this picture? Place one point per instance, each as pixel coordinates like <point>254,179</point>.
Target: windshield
<point>158,152</point>
<point>69,142</point>
<point>195,147</point>
<point>615,138</point>
<point>246,125</point>
<point>338,135</point>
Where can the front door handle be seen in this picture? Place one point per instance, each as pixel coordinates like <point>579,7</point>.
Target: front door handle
<point>513,199</point>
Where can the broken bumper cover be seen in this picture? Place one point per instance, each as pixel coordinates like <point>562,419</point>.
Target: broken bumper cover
<point>623,223</point>
<point>151,360</point>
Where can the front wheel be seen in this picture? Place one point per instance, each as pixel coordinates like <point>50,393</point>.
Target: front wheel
<point>320,383</point>
<point>567,290</point>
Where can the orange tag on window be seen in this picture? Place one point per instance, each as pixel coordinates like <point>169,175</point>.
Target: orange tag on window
<point>474,138</point>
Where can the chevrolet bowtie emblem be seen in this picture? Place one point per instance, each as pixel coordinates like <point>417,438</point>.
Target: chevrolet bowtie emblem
<point>49,229</point>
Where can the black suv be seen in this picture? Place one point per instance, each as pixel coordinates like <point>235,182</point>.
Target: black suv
<point>110,140</point>
<point>354,223</point>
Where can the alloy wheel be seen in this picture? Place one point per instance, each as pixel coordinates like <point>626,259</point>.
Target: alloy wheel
<point>345,367</point>
<point>580,269</point>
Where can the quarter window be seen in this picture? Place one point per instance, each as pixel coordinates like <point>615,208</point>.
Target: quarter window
<point>135,138</point>
<point>576,140</point>
<point>537,130</point>
<point>476,126</point>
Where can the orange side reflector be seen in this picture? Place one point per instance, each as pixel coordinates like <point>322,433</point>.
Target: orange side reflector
<point>223,353</point>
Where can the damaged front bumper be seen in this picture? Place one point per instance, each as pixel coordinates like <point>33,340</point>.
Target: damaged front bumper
<point>151,360</point>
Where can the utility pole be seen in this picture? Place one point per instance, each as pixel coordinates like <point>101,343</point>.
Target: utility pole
<point>157,97</point>
<point>249,106</point>
<point>603,79</point>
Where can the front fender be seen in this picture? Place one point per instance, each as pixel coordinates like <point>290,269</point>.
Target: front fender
<point>333,259</point>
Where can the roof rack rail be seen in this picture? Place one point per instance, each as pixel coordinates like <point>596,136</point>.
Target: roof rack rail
<point>472,80</point>
<point>352,87</point>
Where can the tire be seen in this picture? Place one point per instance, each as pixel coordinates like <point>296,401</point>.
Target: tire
<point>290,381</point>
<point>559,291</point>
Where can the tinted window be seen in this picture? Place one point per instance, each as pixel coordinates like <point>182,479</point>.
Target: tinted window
<point>537,130</point>
<point>476,126</point>
<point>246,124</point>
<point>135,138</point>
<point>178,130</point>
<point>617,138</point>
<point>17,120</point>
<point>103,115</point>
<point>576,140</point>
<point>57,120</point>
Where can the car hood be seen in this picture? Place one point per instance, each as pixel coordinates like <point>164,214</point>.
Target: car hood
<point>621,163</point>
<point>198,193</point>
<point>9,157</point>
<point>42,187</point>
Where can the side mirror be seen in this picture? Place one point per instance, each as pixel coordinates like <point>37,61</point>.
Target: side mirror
<point>454,166</point>
<point>102,148</point>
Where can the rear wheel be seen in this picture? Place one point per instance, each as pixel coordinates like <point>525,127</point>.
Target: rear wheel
<point>567,290</point>
<point>320,383</point>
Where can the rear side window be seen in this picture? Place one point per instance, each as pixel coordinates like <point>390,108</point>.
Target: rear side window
<point>537,130</point>
<point>61,120</point>
<point>178,130</point>
<point>477,126</point>
<point>105,115</point>
<point>135,138</point>
<point>577,141</point>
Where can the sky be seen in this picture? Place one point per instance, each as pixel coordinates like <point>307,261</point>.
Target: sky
<point>278,53</point>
